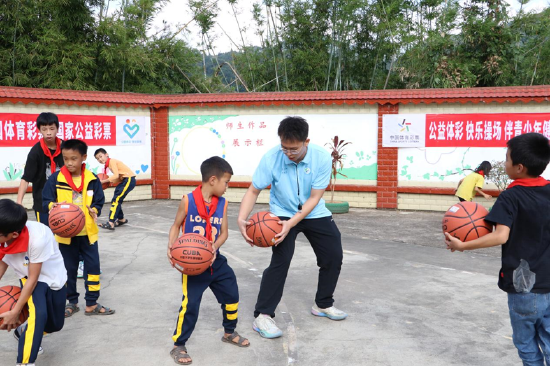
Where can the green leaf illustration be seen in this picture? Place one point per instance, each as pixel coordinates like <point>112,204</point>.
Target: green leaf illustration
<point>426,176</point>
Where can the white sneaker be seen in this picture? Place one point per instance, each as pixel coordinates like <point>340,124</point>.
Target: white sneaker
<point>80,272</point>
<point>265,325</point>
<point>331,313</point>
<point>17,334</point>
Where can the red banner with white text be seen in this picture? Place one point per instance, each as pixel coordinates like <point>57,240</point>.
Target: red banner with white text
<point>19,129</point>
<point>482,130</point>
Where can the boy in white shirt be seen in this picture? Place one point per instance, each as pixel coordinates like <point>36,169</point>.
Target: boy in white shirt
<point>31,250</point>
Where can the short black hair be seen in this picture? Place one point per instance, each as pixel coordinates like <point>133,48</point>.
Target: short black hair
<point>215,166</point>
<point>531,150</point>
<point>293,129</point>
<point>100,150</point>
<point>46,119</point>
<point>485,167</point>
<point>75,144</point>
<point>13,217</point>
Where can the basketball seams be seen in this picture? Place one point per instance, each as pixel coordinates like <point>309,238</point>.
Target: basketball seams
<point>467,223</point>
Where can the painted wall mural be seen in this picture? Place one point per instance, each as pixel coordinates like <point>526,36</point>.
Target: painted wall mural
<point>243,139</point>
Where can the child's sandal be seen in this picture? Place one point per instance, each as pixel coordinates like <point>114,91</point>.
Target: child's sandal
<point>240,343</point>
<point>70,309</point>
<point>177,355</point>
<point>107,226</point>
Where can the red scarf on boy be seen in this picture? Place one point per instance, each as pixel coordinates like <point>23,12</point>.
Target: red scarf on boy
<point>48,152</point>
<point>67,174</point>
<point>529,182</point>
<point>106,166</point>
<point>201,208</point>
<point>19,245</point>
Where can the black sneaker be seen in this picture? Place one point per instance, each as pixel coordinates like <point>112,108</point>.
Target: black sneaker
<point>17,334</point>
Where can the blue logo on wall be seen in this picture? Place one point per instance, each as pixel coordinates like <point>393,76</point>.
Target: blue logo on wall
<point>131,130</point>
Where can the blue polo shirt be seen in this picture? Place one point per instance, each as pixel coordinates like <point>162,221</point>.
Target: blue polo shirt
<point>287,178</point>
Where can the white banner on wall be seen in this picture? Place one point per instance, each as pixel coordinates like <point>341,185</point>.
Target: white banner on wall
<point>243,139</point>
<point>403,130</point>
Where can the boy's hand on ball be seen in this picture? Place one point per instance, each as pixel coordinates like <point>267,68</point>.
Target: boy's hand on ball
<point>170,255</point>
<point>10,320</point>
<point>55,205</point>
<point>453,243</point>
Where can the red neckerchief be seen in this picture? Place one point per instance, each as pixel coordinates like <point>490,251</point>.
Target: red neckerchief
<point>106,166</point>
<point>67,174</point>
<point>19,245</point>
<point>529,182</point>
<point>201,208</point>
<point>481,173</point>
<point>48,153</point>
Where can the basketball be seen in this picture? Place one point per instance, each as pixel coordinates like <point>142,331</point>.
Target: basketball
<point>102,176</point>
<point>8,298</point>
<point>263,228</point>
<point>191,254</point>
<point>66,220</point>
<point>466,221</point>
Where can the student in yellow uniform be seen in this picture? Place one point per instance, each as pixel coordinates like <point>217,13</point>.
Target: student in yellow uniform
<point>473,182</point>
<point>125,179</point>
<point>77,185</point>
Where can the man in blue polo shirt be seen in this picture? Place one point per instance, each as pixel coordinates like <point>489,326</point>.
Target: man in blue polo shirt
<point>299,173</point>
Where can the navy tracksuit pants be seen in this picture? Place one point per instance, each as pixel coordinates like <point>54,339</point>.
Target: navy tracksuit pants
<point>223,283</point>
<point>121,191</point>
<point>46,314</point>
<point>80,246</point>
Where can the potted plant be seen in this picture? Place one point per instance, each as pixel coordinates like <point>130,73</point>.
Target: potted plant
<point>337,152</point>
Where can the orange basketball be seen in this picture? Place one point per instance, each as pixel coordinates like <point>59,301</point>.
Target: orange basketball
<point>466,221</point>
<point>102,176</point>
<point>191,254</point>
<point>263,228</point>
<point>66,220</point>
<point>8,298</point>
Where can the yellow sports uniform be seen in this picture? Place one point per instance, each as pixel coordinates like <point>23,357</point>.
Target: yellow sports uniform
<point>466,190</point>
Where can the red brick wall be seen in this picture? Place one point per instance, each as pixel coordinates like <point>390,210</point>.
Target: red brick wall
<point>160,151</point>
<point>386,195</point>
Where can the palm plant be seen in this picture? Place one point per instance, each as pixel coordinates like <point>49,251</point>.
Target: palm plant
<point>337,152</point>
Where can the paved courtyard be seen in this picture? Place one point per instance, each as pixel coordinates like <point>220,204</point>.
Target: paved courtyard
<point>410,301</point>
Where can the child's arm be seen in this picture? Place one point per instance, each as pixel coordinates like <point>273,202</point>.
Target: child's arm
<point>3,268</point>
<point>459,183</point>
<point>222,236</point>
<point>175,228</point>
<point>487,196</point>
<point>49,194</point>
<point>97,201</point>
<point>498,237</point>
<point>11,318</point>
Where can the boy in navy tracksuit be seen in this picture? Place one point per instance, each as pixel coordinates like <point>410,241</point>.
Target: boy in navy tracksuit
<point>30,249</point>
<point>76,184</point>
<point>523,229</point>
<point>204,212</point>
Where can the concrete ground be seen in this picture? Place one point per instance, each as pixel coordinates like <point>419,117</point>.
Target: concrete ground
<point>410,301</point>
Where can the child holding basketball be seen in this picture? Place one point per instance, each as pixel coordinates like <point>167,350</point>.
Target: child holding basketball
<point>204,211</point>
<point>30,249</point>
<point>473,182</point>
<point>76,184</point>
<point>126,181</point>
<point>520,214</point>
<point>43,160</point>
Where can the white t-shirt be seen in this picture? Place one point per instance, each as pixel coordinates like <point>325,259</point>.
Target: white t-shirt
<point>42,249</point>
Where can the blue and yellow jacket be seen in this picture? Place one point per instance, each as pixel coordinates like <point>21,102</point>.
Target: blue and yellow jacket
<point>57,189</point>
